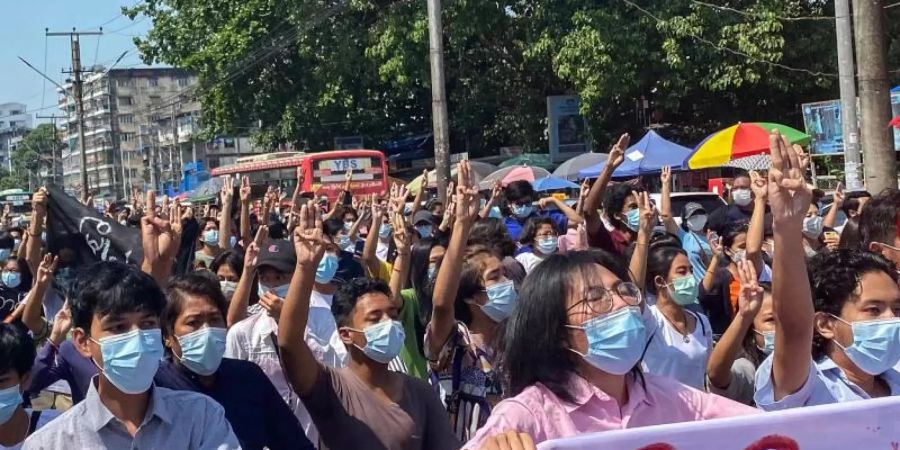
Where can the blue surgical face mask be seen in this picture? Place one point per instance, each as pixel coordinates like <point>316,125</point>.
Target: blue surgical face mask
<point>346,244</point>
<point>278,291</point>
<point>768,342</point>
<point>522,211</point>
<point>383,340</point>
<point>130,359</point>
<point>10,399</point>
<point>684,290</point>
<point>4,253</point>
<point>232,241</point>
<point>328,267</point>
<point>202,350</point>
<point>495,212</point>
<point>876,344</point>
<point>385,231</point>
<point>633,219</point>
<point>615,341</point>
<point>501,301</point>
<point>424,230</point>
<point>211,237</point>
<point>547,245</point>
<point>11,280</point>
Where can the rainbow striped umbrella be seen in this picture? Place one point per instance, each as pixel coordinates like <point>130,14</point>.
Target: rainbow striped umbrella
<point>740,141</point>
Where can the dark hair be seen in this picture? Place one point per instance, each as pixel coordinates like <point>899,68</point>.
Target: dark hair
<point>196,284</point>
<point>615,199</point>
<point>25,273</point>
<point>731,233</point>
<point>471,280</point>
<point>834,277</point>
<point>418,273</point>
<point>851,201</point>
<point>134,221</point>
<point>659,262</point>
<point>231,258</point>
<point>532,225</point>
<point>348,211</point>
<point>110,287</point>
<point>6,240</point>
<point>661,239</point>
<point>850,235</point>
<point>349,293</point>
<point>333,227</point>
<point>519,191</point>
<point>878,221</point>
<point>19,230</point>
<point>536,340</point>
<point>492,232</point>
<point>16,349</point>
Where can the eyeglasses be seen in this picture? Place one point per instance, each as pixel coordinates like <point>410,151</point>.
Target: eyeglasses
<point>599,299</point>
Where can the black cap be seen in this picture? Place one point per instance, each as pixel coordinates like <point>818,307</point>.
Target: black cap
<point>278,254</point>
<point>423,216</point>
<point>693,208</point>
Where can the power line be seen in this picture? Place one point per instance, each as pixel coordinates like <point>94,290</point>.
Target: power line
<point>133,23</point>
<point>758,15</point>
<point>731,50</point>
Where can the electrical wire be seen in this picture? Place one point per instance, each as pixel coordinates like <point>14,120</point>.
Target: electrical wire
<point>44,85</point>
<point>731,50</point>
<point>753,14</point>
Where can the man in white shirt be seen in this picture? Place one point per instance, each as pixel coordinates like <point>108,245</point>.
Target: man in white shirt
<point>255,338</point>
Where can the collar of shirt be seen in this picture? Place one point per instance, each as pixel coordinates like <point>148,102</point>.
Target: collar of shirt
<point>828,366</point>
<point>583,392</point>
<point>98,416</point>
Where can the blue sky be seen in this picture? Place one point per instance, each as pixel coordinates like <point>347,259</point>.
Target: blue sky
<point>22,34</point>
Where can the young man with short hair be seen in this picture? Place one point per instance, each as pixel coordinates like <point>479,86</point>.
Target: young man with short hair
<point>879,225</point>
<point>116,323</point>
<point>365,402</point>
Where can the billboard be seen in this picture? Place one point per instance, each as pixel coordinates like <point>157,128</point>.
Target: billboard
<point>823,122</point>
<point>568,129</point>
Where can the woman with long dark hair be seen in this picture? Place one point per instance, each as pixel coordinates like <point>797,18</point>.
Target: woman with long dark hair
<point>572,355</point>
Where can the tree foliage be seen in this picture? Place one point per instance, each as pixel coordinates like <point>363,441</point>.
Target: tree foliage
<point>308,71</point>
<point>32,155</point>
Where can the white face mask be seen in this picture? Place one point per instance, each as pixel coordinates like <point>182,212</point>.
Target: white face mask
<point>741,196</point>
<point>812,227</point>
<point>696,223</point>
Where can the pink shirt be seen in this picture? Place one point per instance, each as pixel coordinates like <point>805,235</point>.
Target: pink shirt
<point>540,413</point>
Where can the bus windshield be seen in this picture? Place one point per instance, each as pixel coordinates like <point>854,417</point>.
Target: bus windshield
<point>18,199</point>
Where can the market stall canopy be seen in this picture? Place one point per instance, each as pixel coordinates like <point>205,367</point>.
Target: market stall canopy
<point>552,183</point>
<point>569,169</point>
<point>507,175</point>
<point>529,159</point>
<point>208,190</point>
<point>740,141</point>
<point>647,157</point>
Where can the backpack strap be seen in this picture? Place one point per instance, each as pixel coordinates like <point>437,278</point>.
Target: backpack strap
<point>33,421</point>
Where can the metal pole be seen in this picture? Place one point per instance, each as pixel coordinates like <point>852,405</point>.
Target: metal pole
<point>79,105</point>
<point>874,97</point>
<point>847,73</point>
<point>438,99</point>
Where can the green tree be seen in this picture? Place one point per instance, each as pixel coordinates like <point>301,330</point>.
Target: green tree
<point>308,71</point>
<point>34,154</point>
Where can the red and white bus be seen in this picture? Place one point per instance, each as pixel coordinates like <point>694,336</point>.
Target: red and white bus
<point>325,171</point>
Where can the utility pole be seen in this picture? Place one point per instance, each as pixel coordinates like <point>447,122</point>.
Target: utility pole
<point>438,100</point>
<point>874,96</point>
<point>172,149</point>
<point>53,152</point>
<point>77,87</point>
<point>847,77</point>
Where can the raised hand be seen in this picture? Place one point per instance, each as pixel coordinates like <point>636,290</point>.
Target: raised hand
<point>227,192</point>
<point>245,191</point>
<point>617,152</point>
<point>838,196</point>
<point>309,241</point>
<point>751,294</point>
<point>62,323</point>
<point>715,244</point>
<point>272,304</point>
<point>546,202</point>
<point>251,256</point>
<point>449,213</point>
<point>398,198</point>
<point>46,269</point>
<point>401,235</point>
<point>802,156</point>
<point>157,236</point>
<point>649,213</point>
<point>665,176</point>
<point>581,238</point>
<point>789,196</point>
<point>758,185</point>
<point>40,200</point>
<point>496,193</point>
<point>467,203</point>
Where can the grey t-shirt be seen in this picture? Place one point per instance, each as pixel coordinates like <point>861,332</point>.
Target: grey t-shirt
<point>742,385</point>
<point>350,416</point>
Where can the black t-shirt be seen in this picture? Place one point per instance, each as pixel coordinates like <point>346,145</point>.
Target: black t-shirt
<point>717,301</point>
<point>9,299</point>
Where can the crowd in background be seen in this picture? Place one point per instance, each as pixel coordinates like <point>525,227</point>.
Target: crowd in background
<point>496,321</point>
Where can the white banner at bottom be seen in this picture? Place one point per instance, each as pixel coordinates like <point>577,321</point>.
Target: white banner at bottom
<point>860,425</point>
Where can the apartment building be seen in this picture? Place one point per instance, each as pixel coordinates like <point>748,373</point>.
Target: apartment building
<point>15,123</point>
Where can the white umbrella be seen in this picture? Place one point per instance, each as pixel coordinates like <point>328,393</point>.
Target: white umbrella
<point>569,169</point>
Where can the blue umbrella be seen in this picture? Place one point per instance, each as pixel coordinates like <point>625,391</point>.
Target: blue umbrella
<point>552,183</point>
<point>646,157</point>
